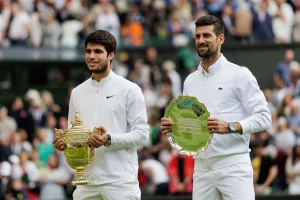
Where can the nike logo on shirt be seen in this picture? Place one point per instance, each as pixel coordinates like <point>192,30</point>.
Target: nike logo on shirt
<point>109,96</point>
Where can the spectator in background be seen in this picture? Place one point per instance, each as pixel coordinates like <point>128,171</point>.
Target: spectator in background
<point>284,20</point>
<point>51,124</point>
<point>284,137</point>
<point>36,110</point>
<point>292,169</point>
<point>18,112</point>
<point>35,158</point>
<point>294,76</point>
<point>283,67</point>
<point>139,73</point>
<point>213,7</point>
<point>7,126</point>
<point>279,91</point>
<point>296,31</point>
<point>5,179</point>
<point>5,9</point>
<point>243,19</point>
<point>51,107</point>
<point>28,5</point>
<point>19,26</point>
<point>19,143</point>
<point>169,69</point>
<point>132,33</point>
<point>181,169</point>
<point>18,191</point>
<point>156,174</point>
<point>227,16</point>
<point>70,33</point>
<point>152,62</point>
<point>51,31</point>
<point>264,170</point>
<point>53,180</point>
<point>35,31</point>
<point>45,147</point>
<point>262,23</point>
<point>284,109</point>
<point>120,66</point>
<point>108,20</point>
<point>30,176</point>
<point>176,29</point>
<point>293,117</point>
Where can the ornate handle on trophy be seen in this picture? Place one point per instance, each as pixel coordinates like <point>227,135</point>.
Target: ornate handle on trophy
<point>97,131</point>
<point>59,132</point>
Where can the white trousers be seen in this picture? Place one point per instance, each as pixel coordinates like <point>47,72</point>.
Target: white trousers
<point>112,191</point>
<point>234,182</point>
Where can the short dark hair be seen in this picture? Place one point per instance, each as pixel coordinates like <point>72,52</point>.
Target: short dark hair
<point>208,20</point>
<point>103,38</point>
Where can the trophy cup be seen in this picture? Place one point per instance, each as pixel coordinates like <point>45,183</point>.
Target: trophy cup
<point>78,153</point>
<point>190,134</point>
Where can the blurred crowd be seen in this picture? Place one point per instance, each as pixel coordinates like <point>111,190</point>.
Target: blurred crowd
<point>31,167</point>
<point>135,23</point>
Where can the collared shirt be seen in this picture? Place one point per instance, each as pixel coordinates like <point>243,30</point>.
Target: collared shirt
<point>230,93</point>
<point>118,105</point>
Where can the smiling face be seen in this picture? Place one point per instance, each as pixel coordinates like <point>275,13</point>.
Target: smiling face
<point>96,58</point>
<point>207,42</point>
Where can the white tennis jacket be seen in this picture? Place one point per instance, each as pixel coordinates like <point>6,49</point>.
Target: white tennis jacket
<point>118,105</point>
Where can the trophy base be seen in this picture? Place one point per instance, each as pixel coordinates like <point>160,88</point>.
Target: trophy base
<point>81,182</point>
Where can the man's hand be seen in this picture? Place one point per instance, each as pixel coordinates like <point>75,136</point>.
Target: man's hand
<point>58,142</point>
<point>97,140</point>
<point>166,125</point>
<point>216,125</point>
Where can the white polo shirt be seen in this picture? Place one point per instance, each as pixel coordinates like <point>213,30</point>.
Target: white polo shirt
<point>118,105</point>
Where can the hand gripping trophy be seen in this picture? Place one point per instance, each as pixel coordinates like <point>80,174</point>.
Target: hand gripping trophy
<point>78,153</point>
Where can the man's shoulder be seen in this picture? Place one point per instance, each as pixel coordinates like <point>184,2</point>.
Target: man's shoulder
<point>234,66</point>
<point>81,86</point>
<point>238,69</point>
<point>125,83</point>
<point>192,75</point>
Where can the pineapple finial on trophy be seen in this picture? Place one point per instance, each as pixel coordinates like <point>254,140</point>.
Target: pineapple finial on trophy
<point>77,122</point>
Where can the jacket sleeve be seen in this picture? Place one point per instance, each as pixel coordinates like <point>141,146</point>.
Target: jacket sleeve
<point>254,102</point>
<point>138,127</point>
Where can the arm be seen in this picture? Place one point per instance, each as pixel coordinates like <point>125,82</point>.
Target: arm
<point>271,176</point>
<point>254,103</point>
<point>136,119</point>
<point>290,170</point>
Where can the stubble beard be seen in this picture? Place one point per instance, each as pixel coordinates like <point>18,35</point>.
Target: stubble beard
<point>101,70</point>
<point>210,54</point>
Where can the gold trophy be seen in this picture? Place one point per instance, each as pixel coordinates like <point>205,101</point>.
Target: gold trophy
<point>77,152</point>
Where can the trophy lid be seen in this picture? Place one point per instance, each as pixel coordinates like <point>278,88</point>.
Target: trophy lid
<point>77,125</point>
<point>77,128</point>
<point>77,122</point>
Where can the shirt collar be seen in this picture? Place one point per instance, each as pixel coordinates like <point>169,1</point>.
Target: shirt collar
<point>103,81</point>
<point>214,68</point>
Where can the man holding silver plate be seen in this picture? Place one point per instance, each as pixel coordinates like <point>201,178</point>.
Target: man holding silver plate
<point>222,105</point>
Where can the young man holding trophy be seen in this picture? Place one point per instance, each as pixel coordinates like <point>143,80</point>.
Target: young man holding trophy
<point>237,108</point>
<point>116,107</point>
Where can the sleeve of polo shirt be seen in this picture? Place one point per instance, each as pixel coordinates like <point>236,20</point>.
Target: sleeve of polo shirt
<point>137,120</point>
<point>254,102</point>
